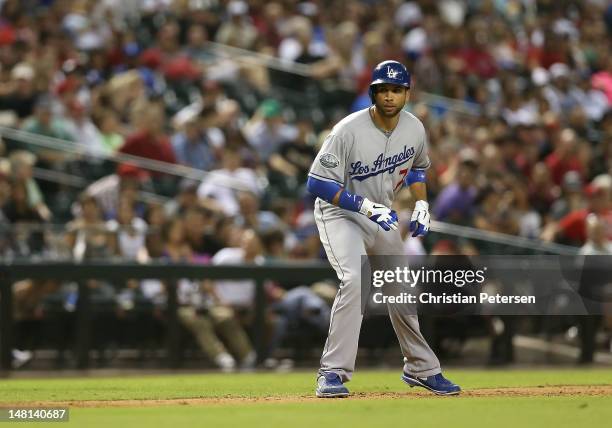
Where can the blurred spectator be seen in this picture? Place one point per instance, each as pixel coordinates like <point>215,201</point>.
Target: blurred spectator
<point>107,190</point>
<point>289,166</point>
<point>455,203</point>
<point>267,130</point>
<point>572,196</point>
<point>302,243</point>
<point>22,163</point>
<point>593,101</point>
<point>471,56</point>
<point>19,94</point>
<point>186,198</point>
<point>176,247</point>
<point>216,329</point>
<point>238,31</point>
<point>572,228</point>
<point>44,123</point>
<point>560,93</point>
<point>192,148</point>
<point>301,312</point>
<point>273,242</point>
<point>598,243</point>
<point>29,315</point>
<point>564,158</point>
<point>149,140</point>
<point>155,219</point>
<point>26,231</point>
<point>110,135</point>
<point>528,219</point>
<point>199,224</point>
<point>338,61</point>
<point>196,47</point>
<point>126,92</point>
<point>85,133</point>
<point>131,232</point>
<point>200,310</point>
<point>239,294</point>
<point>18,209</point>
<point>495,212</point>
<point>221,184</point>
<point>210,113</point>
<point>602,80</point>
<point>250,215</point>
<point>88,237</point>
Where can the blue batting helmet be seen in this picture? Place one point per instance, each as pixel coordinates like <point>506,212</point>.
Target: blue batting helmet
<point>392,72</point>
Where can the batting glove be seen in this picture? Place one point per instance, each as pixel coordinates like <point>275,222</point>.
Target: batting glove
<point>380,214</point>
<point>419,223</point>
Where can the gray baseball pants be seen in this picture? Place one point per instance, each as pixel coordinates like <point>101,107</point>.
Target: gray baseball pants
<point>346,236</point>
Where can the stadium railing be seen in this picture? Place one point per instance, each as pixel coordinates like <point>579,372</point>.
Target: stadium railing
<point>10,272</point>
<point>81,150</point>
<point>286,274</point>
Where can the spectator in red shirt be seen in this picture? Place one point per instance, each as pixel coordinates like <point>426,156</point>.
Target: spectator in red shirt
<point>572,228</point>
<point>149,140</point>
<point>542,190</point>
<point>473,57</point>
<point>555,49</point>
<point>565,157</point>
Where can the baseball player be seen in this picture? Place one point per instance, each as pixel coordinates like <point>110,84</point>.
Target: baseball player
<point>363,163</point>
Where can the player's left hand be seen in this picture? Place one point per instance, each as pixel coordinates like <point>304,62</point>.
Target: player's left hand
<point>419,223</point>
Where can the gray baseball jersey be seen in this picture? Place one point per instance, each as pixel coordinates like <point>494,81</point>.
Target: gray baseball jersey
<point>360,157</point>
<point>366,161</point>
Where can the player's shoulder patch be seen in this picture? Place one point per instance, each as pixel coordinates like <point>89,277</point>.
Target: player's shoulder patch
<point>329,160</point>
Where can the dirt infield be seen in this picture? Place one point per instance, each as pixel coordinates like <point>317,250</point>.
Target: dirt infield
<point>540,391</point>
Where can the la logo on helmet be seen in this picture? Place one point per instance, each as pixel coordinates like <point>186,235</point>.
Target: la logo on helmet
<point>391,73</point>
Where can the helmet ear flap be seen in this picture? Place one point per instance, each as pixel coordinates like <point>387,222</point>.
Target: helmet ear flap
<point>372,92</point>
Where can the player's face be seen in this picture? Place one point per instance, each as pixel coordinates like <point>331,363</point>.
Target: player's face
<point>390,99</point>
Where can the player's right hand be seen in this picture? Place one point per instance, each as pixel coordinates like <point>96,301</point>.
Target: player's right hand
<point>380,214</point>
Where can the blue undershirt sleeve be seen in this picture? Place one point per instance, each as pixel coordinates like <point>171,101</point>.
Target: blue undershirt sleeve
<point>326,190</point>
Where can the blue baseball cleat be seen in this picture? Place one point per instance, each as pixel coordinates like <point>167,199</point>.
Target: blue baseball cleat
<point>437,384</point>
<point>329,385</point>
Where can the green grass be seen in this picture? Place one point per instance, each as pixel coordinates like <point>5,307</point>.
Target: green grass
<point>431,411</point>
<point>265,384</point>
<point>440,412</point>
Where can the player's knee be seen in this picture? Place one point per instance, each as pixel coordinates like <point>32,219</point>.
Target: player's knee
<point>350,280</point>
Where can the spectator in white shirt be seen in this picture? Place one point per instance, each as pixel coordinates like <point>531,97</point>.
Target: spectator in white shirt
<point>239,294</point>
<point>221,184</point>
<point>597,243</point>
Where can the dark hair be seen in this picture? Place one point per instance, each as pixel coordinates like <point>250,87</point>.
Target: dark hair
<point>271,237</point>
<point>484,194</point>
<point>168,225</point>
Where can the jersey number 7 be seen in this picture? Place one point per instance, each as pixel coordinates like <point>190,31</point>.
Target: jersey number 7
<point>403,173</point>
